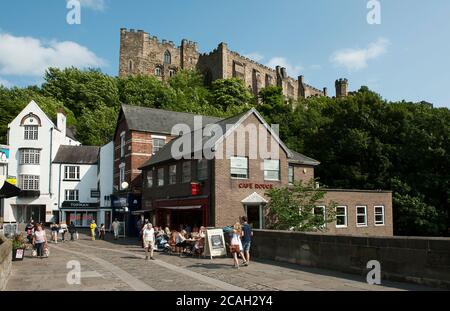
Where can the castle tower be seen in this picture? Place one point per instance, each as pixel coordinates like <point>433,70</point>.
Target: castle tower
<point>132,44</point>
<point>341,88</point>
<point>189,54</point>
<point>301,87</point>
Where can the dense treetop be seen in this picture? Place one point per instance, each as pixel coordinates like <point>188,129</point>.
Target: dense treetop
<point>362,141</point>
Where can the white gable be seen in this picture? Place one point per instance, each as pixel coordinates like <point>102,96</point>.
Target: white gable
<point>254,198</point>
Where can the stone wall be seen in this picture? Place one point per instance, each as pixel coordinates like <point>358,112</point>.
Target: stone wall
<point>424,261</point>
<point>5,261</point>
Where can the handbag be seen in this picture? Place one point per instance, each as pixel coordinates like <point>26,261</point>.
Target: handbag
<point>34,253</point>
<point>234,249</point>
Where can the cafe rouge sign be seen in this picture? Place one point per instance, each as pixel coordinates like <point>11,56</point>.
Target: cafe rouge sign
<point>255,186</point>
<point>79,205</point>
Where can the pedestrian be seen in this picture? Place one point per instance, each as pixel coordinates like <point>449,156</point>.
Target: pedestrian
<point>93,228</point>
<point>29,229</point>
<point>72,230</point>
<point>102,231</point>
<point>115,227</point>
<point>247,234</point>
<point>63,230</point>
<point>236,245</point>
<point>54,229</point>
<point>148,235</point>
<point>39,241</point>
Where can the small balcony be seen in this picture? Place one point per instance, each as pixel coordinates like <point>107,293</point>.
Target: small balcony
<point>29,194</point>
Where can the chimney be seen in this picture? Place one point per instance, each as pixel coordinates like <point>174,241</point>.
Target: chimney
<point>61,121</point>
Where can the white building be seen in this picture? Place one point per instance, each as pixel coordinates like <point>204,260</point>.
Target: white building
<point>34,140</point>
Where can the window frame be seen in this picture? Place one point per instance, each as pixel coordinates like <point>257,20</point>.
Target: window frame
<point>149,179</point>
<point>365,224</point>
<point>27,180</point>
<point>345,215</point>
<point>231,169</point>
<point>184,178</point>
<point>158,71</point>
<point>76,172</point>
<point>161,181</point>
<point>29,156</point>
<point>324,213</point>
<point>122,144</point>
<point>266,170</point>
<point>172,175</point>
<point>167,58</point>
<point>74,193</point>
<point>31,132</point>
<point>122,174</point>
<point>202,169</point>
<point>383,215</point>
<point>160,139</point>
<point>291,167</point>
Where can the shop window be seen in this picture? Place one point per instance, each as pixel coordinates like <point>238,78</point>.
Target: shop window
<point>72,195</point>
<point>272,170</point>
<point>161,177</point>
<point>30,156</point>
<point>172,174</point>
<point>239,167</point>
<point>379,215</point>
<point>31,132</point>
<point>361,216</point>
<point>341,217</point>
<point>29,182</point>
<point>291,175</point>
<point>202,169</point>
<point>186,172</point>
<point>158,143</point>
<point>72,172</point>
<point>150,179</point>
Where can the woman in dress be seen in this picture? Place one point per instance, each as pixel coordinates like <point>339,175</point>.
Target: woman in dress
<point>39,241</point>
<point>236,244</point>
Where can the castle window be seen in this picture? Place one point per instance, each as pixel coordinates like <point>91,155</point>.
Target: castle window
<point>130,66</point>
<point>167,58</point>
<point>158,71</point>
<point>171,73</point>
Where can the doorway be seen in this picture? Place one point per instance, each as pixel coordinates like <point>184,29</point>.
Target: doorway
<point>255,216</point>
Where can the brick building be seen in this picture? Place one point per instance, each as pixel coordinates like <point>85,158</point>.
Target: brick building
<point>216,190</point>
<point>143,54</point>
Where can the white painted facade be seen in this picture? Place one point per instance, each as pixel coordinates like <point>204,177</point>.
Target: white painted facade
<point>106,183</point>
<point>47,142</point>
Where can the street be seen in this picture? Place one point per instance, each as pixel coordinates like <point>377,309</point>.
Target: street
<point>120,266</point>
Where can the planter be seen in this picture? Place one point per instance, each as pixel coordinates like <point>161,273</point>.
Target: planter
<point>18,254</point>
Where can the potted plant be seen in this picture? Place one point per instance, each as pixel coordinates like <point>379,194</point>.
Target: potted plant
<point>18,247</point>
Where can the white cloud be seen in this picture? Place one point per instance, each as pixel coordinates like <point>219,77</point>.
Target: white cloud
<point>257,57</point>
<point>357,59</point>
<point>96,5</point>
<point>27,56</point>
<point>5,83</point>
<point>292,70</point>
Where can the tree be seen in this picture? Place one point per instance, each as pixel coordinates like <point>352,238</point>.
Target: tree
<point>292,208</point>
<point>96,127</point>
<point>231,95</point>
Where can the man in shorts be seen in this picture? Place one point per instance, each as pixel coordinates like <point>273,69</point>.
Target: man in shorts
<point>148,237</point>
<point>247,234</point>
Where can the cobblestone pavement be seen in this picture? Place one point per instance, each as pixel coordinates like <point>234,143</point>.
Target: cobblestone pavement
<point>119,265</point>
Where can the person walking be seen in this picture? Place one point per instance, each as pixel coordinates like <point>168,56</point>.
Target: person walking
<point>39,241</point>
<point>236,244</point>
<point>63,229</point>
<point>54,228</point>
<point>72,230</point>
<point>93,228</point>
<point>148,235</point>
<point>247,234</point>
<point>115,227</point>
<point>29,229</point>
<point>102,232</point>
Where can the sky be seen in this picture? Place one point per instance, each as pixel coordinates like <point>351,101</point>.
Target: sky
<point>406,56</point>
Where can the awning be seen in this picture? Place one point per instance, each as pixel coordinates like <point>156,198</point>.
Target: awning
<point>7,190</point>
<point>181,207</point>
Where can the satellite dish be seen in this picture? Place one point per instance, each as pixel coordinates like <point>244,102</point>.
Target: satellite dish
<point>124,185</point>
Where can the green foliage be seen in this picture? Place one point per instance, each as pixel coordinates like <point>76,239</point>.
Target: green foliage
<point>231,95</point>
<point>97,127</point>
<point>292,208</point>
<point>18,241</point>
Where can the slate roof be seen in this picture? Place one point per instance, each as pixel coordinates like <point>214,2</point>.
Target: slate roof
<point>165,154</point>
<point>77,155</point>
<point>159,121</point>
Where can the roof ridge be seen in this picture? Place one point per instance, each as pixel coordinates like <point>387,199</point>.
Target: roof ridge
<point>172,111</point>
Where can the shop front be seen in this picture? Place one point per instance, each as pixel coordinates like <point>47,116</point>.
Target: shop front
<point>81,214</point>
<point>126,208</point>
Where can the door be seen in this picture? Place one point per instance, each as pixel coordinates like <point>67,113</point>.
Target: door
<point>255,216</point>
<point>108,220</point>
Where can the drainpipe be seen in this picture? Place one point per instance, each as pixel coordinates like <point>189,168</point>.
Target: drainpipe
<point>50,168</point>
<point>59,191</point>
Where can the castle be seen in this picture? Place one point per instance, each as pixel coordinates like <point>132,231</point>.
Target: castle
<point>143,54</point>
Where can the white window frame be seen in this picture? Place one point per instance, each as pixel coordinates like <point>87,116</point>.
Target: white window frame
<point>172,174</point>
<point>122,144</point>
<point>291,167</point>
<point>185,177</point>
<point>375,215</point>
<point>72,195</point>
<point>361,225</point>
<point>266,161</point>
<point>68,173</point>
<point>30,156</point>
<point>31,132</point>
<point>160,177</point>
<point>159,139</point>
<point>202,169</point>
<point>247,173</point>
<point>121,174</point>
<point>30,182</point>
<point>345,215</point>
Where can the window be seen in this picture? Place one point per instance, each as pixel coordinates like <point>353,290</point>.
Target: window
<point>158,143</point>
<point>172,174</point>
<point>150,179</point>
<point>379,215</point>
<point>157,71</point>
<point>319,212</point>
<point>161,177</point>
<point>130,65</point>
<point>202,169</point>
<point>72,172</point>
<point>167,58</point>
<point>31,132</point>
<point>341,217</point>
<point>361,216</point>
<point>122,145</point>
<point>186,172</point>
<point>121,174</point>
<point>30,156</point>
<point>171,73</point>
<point>72,195</point>
<point>271,170</point>
<point>239,167</point>
<point>291,175</point>
<point>29,183</point>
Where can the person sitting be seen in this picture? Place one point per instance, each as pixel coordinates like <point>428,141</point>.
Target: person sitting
<point>181,241</point>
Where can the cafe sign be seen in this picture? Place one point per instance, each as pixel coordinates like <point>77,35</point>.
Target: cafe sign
<point>255,186</point>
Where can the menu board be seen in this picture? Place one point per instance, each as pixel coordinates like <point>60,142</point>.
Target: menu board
<point>215,243</point>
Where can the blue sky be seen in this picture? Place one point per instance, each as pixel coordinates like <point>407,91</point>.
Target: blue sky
<point>406,57</point>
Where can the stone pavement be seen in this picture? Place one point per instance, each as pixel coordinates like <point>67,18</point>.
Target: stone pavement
<point>119,265</point>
